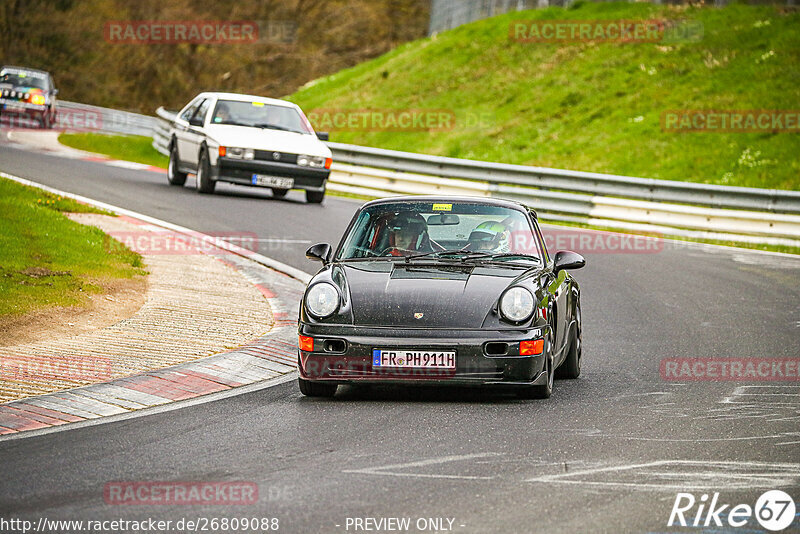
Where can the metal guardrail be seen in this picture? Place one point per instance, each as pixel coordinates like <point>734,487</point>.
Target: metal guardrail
<point>663,206</point>
<point>104,120</point>
<point>501,175</point>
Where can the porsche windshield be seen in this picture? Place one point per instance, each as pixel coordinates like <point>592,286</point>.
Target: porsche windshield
<point>260,115</point>
<point>439,230</point>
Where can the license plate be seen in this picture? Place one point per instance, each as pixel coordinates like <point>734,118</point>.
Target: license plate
<point>436,359</point>
<point>14,107</point>
<point>272,181</point>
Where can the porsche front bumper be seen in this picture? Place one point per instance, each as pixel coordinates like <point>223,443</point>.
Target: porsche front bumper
<point>344,355</point>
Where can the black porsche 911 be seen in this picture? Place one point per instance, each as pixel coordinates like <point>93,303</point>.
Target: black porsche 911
<point>441,291</point>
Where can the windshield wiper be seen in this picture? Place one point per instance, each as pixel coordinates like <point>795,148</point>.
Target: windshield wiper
<point>269,126</point>
<point>506,255</point>
<point>442,254</point>
<point>234,123</point>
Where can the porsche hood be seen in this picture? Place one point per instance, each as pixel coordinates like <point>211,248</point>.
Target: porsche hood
<point>409,295</point>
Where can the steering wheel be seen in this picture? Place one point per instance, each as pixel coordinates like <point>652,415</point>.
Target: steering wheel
<point>388,251</point>
<point>367,251</point>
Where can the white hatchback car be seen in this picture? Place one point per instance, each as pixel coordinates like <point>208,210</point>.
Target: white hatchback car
<point>248,140</point>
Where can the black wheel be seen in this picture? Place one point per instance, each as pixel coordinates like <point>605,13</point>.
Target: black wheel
<point>277,192</point>
<point>314,197</point>
<point>571,368</point>
<point>45,121</point>
<point>174,176</point>
<point>316,389</point>
<point>204,182</point>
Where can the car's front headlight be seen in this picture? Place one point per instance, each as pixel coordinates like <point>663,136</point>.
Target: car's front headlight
<point>317,162</point>
<point>38,99</point>
<point>322,300</point>
<point>238,153</point>
<point>517,304</point>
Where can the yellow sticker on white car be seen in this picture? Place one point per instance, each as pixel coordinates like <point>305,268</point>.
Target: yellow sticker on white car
<point>442,207</point>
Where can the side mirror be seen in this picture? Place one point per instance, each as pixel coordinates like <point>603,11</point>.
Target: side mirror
<point>323,136</point>
<point>55,92</point>
<point>566,259</point>
<point>319,252</point>
<point>196,121</point>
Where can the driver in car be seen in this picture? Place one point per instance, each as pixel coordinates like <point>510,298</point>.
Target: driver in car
<point>223,114</point>
<point>408,235</point>
<point>490,236</point>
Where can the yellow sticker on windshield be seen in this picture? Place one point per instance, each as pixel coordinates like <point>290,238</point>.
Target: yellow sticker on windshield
<point>442,207</point>
<point>258,104</point>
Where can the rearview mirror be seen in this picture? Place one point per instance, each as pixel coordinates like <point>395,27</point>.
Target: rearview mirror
<point>443,219</point>
<point>323,136</point>
<point>319,252</point>
<point>566,259</point>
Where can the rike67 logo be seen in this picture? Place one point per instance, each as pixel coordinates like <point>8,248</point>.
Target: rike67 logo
<point>774,510</point>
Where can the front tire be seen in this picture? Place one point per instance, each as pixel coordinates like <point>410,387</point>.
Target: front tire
<point>174,176</point>
<point>571,368</point>
<point>316,389</point>
<point>315,197</point>
<point>205,184</point>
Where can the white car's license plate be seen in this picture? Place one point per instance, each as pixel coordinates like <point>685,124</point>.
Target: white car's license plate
<point>272,181</point>
<point>436,359</point>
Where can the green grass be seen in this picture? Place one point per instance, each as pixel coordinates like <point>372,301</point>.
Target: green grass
<point>125,147</point>
<point>592,106</point>
<point>48,260</point>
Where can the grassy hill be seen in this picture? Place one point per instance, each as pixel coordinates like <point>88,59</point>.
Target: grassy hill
<point>593,106</point>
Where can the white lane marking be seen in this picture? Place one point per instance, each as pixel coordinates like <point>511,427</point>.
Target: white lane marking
<point>696,475</point>
<point>763,392</point>
<point>794,435</point>
<point>692,440</point>
<point>644,394</point>
<point>382,470</point>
